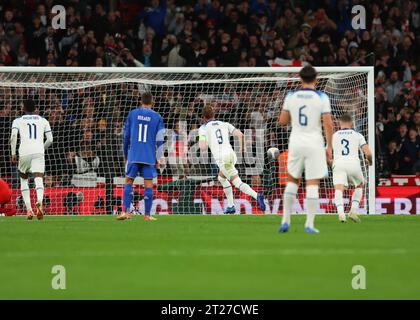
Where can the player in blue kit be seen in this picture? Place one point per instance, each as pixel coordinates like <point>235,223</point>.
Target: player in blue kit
<point>144,133</point>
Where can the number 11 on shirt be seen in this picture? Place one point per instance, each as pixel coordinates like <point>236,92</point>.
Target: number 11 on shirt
<point>144,138</point>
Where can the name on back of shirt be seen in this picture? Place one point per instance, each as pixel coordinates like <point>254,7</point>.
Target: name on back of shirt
<point>143,118</point>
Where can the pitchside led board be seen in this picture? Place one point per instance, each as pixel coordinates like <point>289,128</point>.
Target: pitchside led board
<point>85,164</point>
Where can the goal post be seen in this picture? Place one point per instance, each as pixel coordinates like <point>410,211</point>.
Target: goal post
<point>87,106</point>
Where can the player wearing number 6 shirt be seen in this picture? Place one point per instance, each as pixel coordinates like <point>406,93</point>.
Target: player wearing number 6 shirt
<point>307,110</point>
<point>144,133</point>
<point>346,166</point>
<point>216,135</point>
<point>31,128</point>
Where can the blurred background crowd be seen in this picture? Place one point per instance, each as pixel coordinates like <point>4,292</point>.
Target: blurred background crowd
<point>231,33</point>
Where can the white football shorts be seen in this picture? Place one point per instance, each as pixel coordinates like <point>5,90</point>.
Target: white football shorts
<point>346,173</point>
<point>32,163</point>
<point>227,165</point>
<point>312,160</point>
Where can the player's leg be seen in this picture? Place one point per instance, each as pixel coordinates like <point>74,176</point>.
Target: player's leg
<point>227,188</point>
<point>245,188</point>
<point>38,169</point>
<point>294,169</point>
<point>26,194</point>
<point>315,169</point>
<point>130,174</point>
<point>39,188</point>
<point>24,167</point>
<point>339,202</point>
<point>148,172</point>
<point>340,183</point>
<point>357,179</point>
<point>312,204</point>
<point>227,167</point>
<point>289,198</point>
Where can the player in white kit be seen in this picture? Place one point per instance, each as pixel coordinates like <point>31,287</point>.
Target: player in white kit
<point>346,166</point>
<point>308,110</point>
<point>216,135</point>
<point>31,128</point>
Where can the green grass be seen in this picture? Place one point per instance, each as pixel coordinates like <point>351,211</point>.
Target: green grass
<point>209,257</point>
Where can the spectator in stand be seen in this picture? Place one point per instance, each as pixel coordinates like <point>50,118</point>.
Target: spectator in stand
<point>392,157</point>
<point>409,152</point>
<point>226,33</point>
<point>402,135</point>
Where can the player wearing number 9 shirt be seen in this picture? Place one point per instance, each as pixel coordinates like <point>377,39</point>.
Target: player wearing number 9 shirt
<point>215,134</point>
<point>308,110</point>
<point>144,133</point>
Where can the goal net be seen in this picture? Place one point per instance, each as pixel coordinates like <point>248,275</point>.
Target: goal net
<point>86,108</point>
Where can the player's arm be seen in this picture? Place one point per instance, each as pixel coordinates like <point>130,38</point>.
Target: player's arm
<point>127,137</point>
<point>48,136</point>
<point>367,153</point>
<point>13,142</point>
<point>239,134</point>
<point>284,117</point>
<point>327,123</point>
<point>366,150</point>
<point>202,139</point>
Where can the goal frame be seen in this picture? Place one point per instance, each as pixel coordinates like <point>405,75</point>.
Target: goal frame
<point>237,70</point>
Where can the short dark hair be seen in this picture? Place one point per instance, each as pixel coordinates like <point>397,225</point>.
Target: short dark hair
<point>29,105</point>
<point>308,74</point>
<point>146,98</point>
<point>346,117</point>
<point>208,112</point>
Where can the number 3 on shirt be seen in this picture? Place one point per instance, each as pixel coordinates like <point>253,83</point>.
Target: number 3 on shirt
<point>345,144</point>
<point>142,133</point>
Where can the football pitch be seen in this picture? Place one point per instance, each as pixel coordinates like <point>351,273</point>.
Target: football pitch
<point>209,257</point>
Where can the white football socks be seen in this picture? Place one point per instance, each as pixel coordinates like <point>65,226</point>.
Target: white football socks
<point>245,188</point>
<point>339,202</point>
<point>39,187</point>
<point>227,188</point>
<point>26,193</point>
<point>289,198</point>
<point>312,205</point>
<point>355,199</point>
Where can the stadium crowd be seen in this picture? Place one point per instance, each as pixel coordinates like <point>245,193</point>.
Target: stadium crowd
<point>211,33</point>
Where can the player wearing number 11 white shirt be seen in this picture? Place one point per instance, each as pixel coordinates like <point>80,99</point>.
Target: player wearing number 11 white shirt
<point>31,128</point>
<point>346,166</point>
<point>216,135</point>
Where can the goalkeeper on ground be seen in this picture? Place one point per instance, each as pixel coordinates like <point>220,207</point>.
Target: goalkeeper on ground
<point>216,135</point>
<point>144,133</point>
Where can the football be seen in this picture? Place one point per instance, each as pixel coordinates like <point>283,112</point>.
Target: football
<point>273,153</point>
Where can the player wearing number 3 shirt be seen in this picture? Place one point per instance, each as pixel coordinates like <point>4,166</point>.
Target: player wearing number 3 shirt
<point>346,166</point>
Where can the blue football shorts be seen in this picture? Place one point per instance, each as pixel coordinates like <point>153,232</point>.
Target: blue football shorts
<point>147,171</point>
